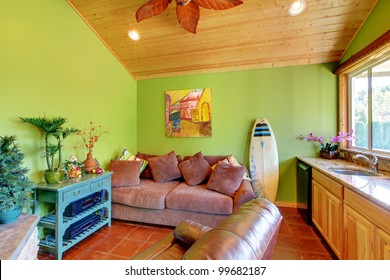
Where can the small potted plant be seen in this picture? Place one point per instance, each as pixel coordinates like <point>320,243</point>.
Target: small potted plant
<point>15,186</point>
<point>329,150</point>
<point>53,130</point>
<point>90,137</point>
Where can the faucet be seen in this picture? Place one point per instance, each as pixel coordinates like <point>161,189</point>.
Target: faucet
<point>373,163</point>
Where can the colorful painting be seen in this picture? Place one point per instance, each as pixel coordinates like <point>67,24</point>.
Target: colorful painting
<point>188,113</point>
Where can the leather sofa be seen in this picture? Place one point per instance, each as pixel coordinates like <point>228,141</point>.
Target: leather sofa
<point>170,202</point>
<point>250,233</point>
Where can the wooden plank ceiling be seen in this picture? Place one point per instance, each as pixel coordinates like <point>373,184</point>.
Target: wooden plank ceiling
<point>256,34</point>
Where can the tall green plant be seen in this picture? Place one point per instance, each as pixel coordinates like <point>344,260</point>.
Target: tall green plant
<point>15,186</point>
<point>52,128</point>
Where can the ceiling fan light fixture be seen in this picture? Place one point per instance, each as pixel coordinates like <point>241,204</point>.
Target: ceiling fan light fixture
<point>296,7</point>
<point>134,35</point>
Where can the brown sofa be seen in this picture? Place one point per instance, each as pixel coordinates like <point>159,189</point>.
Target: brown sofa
<point>250,233</point>
<point>172,201</point>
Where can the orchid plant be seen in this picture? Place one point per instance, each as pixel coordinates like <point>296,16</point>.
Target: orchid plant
<point>333,144</point>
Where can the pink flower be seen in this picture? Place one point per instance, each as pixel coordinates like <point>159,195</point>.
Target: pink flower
<point>332,146</point>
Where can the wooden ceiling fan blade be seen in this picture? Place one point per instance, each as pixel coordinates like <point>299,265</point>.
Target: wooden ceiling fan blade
<point>151,8</point>
<point>188,16</point>
<point>218,4</point>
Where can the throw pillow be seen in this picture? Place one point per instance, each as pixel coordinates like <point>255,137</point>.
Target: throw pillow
<point>233,161</point>
<point>195,170</point>
<point>147,172</point>
<point>223,161</point>
<point>226,178</point>
<point>164,168</point>
<point>125,173</point>
<point>126,155</point>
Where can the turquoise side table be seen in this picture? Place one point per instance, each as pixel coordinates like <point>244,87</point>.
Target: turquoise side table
<point>60,196</point>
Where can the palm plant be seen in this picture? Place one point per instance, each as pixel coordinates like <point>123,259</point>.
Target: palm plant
<point>52,128</point>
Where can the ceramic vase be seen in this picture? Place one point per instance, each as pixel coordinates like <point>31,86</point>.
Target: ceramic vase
<point>328,154</point>
<point>54,177</point>
<point>90,163</point>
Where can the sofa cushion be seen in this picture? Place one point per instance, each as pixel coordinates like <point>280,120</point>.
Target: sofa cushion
<point>226,178</point>
<point>233,161</point>
<point>195,169</point>
<point>147,173</point>
<point>165,168</point>
<point>125,173</point>
<point>148,194</point>
<point>198,199</point>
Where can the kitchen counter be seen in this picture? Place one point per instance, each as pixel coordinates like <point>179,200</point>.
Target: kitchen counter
<point>373,188</point>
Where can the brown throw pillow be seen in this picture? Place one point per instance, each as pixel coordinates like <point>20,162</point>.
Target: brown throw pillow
<point>226,178</point>
<point>164,168</point>
<point>125,173</point>
<point>147,173</point>
<point>195,170</point>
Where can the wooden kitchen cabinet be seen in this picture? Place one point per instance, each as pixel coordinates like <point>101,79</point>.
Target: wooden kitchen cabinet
<point>334,223</point>
<point>327,210</point>
<point>350,212</point>
<point>366,229</point>
<point>358,236</point>
<point>382,251</point>
<point>318,206</point>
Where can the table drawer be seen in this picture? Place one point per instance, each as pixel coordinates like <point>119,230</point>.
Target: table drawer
<point>76,193</point>
<point>101,184</point>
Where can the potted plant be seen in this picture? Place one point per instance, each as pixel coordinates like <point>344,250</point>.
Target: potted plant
<point>329,150</point>
<point>52,129</point>
<point>15,186</point>
<point>90,137</point>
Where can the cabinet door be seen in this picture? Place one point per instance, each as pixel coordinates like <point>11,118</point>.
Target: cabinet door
<point>383,245</point>
<point>334,223</point>
<point>358,236</point>
<point>318,206</point>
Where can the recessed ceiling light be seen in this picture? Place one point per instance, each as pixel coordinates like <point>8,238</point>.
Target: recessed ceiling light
<point>134,35</point>
<point>297,7</point>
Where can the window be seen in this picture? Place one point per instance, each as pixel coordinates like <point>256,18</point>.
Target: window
<point>369,114</point>
<point>364,97</point>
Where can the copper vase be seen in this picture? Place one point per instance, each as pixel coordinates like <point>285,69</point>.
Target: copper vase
<point>90,163</point>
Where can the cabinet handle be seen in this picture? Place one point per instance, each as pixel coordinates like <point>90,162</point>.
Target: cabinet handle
<point>100,184</point>
<point>76,194</point>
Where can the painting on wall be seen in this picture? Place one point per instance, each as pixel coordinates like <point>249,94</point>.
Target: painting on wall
<point>188,113</point>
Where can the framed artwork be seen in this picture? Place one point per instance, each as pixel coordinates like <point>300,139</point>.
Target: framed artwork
<point>188,113</point>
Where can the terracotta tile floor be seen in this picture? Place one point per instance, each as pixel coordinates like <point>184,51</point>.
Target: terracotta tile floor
<point>299,241</point>
<point>123,240</point>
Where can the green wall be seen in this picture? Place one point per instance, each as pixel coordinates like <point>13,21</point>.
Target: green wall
<point>295,100</point>
<point>52,63</point>
<point>376,25</point>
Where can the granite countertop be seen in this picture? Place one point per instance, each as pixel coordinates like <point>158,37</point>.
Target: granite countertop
<point>374,188</point>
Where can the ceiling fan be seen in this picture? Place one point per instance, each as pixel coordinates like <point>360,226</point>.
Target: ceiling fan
<point>187,11</point>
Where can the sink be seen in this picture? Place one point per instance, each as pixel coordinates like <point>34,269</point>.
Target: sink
<point>353,171</point>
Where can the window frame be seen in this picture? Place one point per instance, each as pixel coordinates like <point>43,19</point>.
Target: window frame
<point>368,67</point>
<point>372,54</point>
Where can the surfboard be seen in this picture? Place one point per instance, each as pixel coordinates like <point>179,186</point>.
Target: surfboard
<point>263,159</point>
